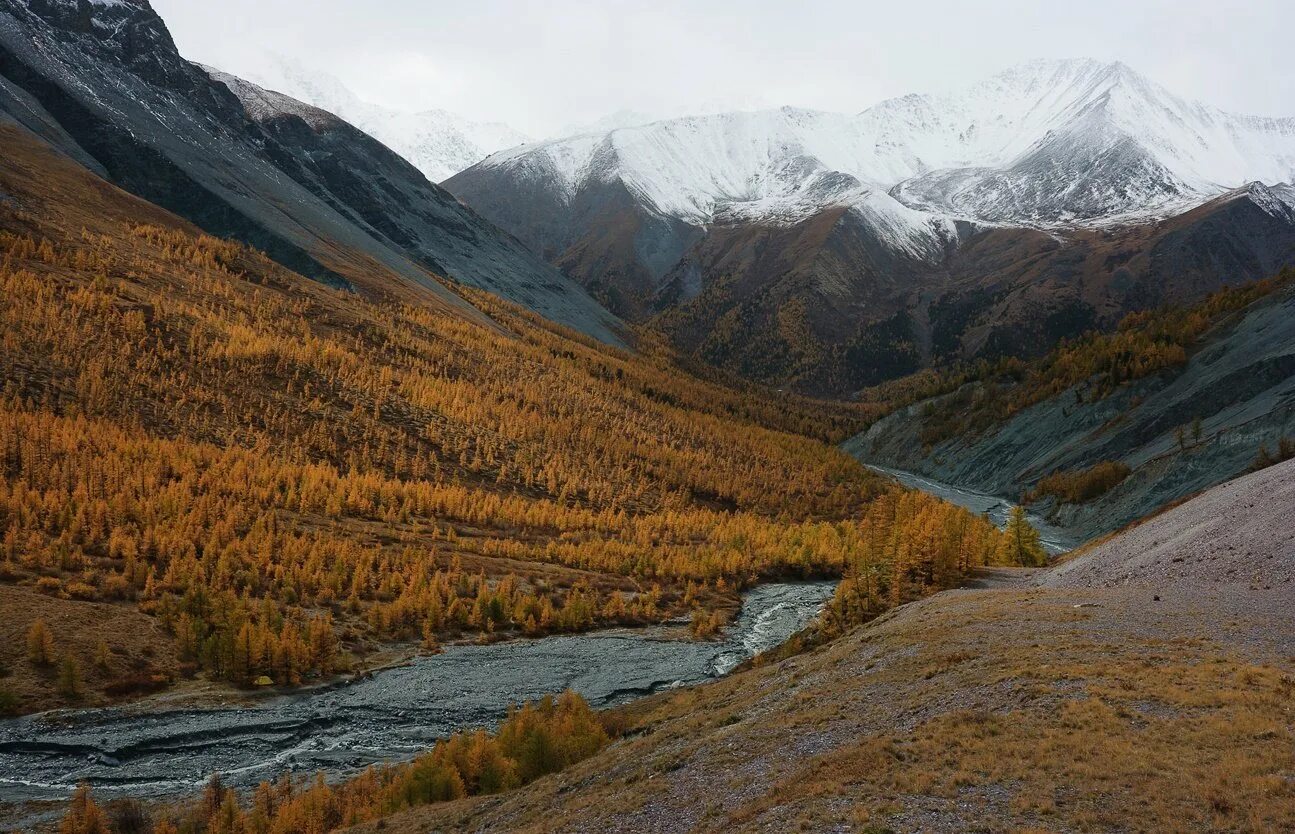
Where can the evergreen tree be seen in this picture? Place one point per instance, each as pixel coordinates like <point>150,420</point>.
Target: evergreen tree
<point>69,677</point>
<point>40,644</point>
<point>1020,543</point>
<point>84,816</point>
<point>102,659</point>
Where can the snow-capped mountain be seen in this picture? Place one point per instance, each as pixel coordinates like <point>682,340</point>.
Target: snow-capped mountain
<point>832,249</point>
<point>1048,142</point>
<point>437,142</point>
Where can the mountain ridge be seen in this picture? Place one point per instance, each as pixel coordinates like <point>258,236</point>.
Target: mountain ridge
<point>1000,121</point>
<point>105,83</point>
<point>1027,208</point>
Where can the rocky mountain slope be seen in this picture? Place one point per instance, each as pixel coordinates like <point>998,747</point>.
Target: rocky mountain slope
<point>1234,393</point>
<point>1165,699</point>
<point>826,250</point>
<point>103,82</point>
<point>438,143</point>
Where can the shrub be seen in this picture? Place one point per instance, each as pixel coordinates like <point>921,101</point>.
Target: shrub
<point>139,683</point>
<point>40,644</point>
<point>1082,486</point>
<point>1265,458</point>
<point>127,816</point>
<point>69,677</point>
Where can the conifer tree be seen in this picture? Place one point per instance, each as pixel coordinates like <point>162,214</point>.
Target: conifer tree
<point>1020,544</point>
<point>40,644</point>
<point>84,816</point>
<point>69,677</point>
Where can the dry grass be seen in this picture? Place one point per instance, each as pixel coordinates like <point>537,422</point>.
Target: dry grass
<point>972,711</point>
<point>1148,747</point>
<point>138,651</point>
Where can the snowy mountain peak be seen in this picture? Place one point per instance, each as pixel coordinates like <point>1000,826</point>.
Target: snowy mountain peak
<point>1047,142</point>
<point>437,142</point>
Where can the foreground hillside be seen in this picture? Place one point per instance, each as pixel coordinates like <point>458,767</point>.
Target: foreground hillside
<point>1128,689</point>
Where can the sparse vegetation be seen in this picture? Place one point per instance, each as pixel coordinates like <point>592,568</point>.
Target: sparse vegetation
<point>1284,452</point>
<point>1080,487</point>
<point>533,741</point>
<point>977,397</point>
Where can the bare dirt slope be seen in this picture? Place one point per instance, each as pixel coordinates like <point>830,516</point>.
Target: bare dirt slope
<point>1158,700</point>
<point>1242,531</point>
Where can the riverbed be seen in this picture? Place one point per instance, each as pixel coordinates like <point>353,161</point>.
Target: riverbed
<point>1054,540</point>
<point>399,712</point>
<point>390,717</point>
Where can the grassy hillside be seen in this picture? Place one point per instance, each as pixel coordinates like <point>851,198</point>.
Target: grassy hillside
<point>1109,428</point>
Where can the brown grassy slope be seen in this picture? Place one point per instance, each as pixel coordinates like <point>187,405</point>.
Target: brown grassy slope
<point>1166,708</point>
<point>137,649</point>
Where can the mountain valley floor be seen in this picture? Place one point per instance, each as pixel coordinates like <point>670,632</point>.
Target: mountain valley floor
<point>1146,684</point>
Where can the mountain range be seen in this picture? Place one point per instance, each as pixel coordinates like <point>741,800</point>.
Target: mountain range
<point>828,250</point>
<point>279,411</point>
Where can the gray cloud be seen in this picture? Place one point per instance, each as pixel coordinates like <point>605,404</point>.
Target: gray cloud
<point>542,65</point>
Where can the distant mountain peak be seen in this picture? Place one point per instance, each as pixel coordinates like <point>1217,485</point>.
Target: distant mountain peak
<point>1046,142</point>
<point>439,143</point>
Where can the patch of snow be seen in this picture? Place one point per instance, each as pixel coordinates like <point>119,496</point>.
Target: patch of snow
<point>262,104</point>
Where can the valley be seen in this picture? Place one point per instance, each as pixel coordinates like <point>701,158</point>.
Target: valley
<point>159,749</point>
<point>923,465</point>
<point>1126,683</point>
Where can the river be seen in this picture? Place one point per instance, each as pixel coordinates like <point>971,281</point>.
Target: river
<point>398,712</point>
<point>1054,539</point>
<point>391,716</point>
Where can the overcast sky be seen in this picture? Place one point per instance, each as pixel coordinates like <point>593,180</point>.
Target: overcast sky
<point>546,64</point>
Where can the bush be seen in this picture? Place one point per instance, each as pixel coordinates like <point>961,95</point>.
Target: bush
<point>127,816</point>
<point>534,740</point>
<point>139,683</point>
<point>1265,458</point>
<point>69,678</point>
<point>8,702</point>
<point>1080,487</point>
